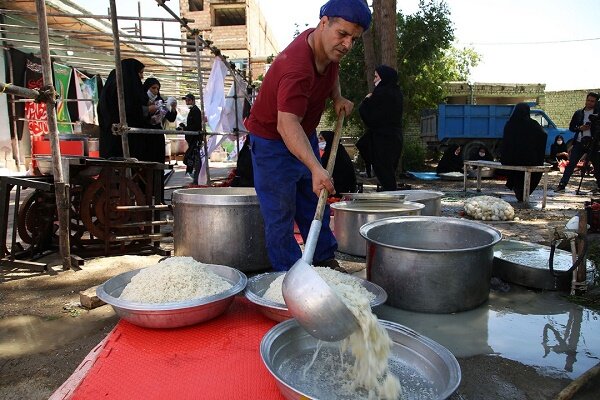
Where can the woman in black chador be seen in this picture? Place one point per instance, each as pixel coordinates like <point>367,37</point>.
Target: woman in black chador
<point>136,107</point>
<point>344,179</point>
<point>381,112</point>
<point>149,147</point>
<point>451,161</point>
<point>524,143</point>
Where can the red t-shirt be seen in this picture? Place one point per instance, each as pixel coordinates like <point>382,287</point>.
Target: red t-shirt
<point>292,85</point>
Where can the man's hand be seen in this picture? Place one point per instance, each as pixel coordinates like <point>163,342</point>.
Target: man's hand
<point>320,180</point>
<point>342,104</point>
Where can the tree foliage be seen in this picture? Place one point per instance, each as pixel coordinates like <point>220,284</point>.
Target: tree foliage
<point>426,60</point>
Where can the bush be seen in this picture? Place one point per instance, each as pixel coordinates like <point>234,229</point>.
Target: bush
<point>413,154</point>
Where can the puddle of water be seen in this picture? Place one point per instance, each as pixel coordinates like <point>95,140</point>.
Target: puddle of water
<point>539,329</point>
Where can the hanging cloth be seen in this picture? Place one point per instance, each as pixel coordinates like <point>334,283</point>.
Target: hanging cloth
<point>84,89</point>
<point>228,118</point>
<point>214,103</point>
<point>214,94</point>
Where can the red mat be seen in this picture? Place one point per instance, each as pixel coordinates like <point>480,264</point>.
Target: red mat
<point>219,359</point>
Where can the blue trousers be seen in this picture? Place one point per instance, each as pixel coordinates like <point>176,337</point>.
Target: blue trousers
<point>284,188</point>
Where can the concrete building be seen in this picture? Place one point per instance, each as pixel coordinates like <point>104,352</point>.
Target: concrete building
<point>237,27</point>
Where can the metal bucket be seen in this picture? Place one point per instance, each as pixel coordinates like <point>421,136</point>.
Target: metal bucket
<point>349,216</point>
<point>431,199</point>
<point>220,226</point>
<point>431,264</point>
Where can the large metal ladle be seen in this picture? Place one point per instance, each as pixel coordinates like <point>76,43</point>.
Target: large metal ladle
<point>308,297</point>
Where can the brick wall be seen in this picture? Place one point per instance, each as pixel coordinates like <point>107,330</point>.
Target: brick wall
<point>561,105</point>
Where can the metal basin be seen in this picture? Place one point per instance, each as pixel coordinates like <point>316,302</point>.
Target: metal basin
<point>175,314</point>
<point>426,369</point>
<point>351,215</point>
<point>526,264</point>
<point>431,199</point>
<point>259,284</point>
<point>220,226</point>
<point>431,264</point>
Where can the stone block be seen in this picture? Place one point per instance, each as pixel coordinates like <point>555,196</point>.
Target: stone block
<point>89,300</point>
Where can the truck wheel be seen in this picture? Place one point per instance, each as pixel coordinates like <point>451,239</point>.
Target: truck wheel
<point>471,147</point>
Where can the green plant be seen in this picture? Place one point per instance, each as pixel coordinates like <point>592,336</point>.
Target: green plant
<point>413,154</point>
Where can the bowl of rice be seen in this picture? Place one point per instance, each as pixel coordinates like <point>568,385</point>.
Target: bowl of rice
<point>264,290</point>
<point>306,368</point>
<point>176,292</point>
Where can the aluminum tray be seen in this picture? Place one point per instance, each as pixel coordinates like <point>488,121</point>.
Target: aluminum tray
<point>526,264</point>
<point>175,314</point>
<point>258,285</point>
<point>426,369</point>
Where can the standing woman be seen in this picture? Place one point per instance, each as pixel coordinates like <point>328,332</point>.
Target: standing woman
<point>136,106</point>
<point>381,112</point>
<point>524,143</point>
<point>150,147</point>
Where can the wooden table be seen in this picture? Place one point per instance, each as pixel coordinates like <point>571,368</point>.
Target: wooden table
<point>528,169</point>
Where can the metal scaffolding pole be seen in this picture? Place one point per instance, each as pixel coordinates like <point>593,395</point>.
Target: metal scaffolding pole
<point>201,94</point>
<point>99,16</point>
<point>119,76</point>
<point>199,40</point>
<point>14,140</point>
<point>235,105</point>
<point>61,188</point>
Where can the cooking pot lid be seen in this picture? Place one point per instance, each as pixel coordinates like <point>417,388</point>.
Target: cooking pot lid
<point>367,206</point>
<point>373,196</point>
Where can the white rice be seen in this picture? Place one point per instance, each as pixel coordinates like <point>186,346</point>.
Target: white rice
<point>335,279</point>
<point>370,345</point>
<point>174,279</point>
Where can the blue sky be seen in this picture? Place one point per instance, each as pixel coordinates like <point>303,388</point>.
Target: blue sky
<point>521,41</point>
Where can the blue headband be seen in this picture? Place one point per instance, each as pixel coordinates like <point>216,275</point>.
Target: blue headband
<point>355,11</point>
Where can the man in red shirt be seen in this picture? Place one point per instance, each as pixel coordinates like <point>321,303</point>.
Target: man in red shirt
<point>288,175</point>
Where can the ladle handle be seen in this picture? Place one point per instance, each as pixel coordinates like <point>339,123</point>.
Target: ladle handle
<point>337,134</point>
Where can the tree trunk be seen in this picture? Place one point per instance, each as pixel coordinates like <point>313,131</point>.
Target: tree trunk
<point>376,29</point>
<point>368,44</point>
<point>386,31</point>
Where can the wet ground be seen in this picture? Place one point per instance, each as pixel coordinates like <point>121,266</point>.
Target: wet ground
<point>521,344</point>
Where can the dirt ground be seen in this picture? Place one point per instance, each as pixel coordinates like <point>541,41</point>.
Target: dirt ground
<point>44,334</point>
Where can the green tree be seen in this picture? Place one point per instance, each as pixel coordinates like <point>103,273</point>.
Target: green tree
<point>426,61</point>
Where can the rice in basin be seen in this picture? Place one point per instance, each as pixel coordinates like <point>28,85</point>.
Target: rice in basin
<point>173,280</point>
<point>370,345</point>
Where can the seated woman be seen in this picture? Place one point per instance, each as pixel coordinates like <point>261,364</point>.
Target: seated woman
<point>451,161</point>
<point>559,153</point>
<point>344,179</point>
<point>482,154</point>
<point>524,143</point>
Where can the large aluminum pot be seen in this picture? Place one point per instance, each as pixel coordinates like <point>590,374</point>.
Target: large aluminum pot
<point>431,199</point>
<point>431,264</point>
<point>220,226</point>
<point>349,216</point>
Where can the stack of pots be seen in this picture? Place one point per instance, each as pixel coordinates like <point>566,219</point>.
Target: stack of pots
<point>362,208</point>
<point>430,198</point>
